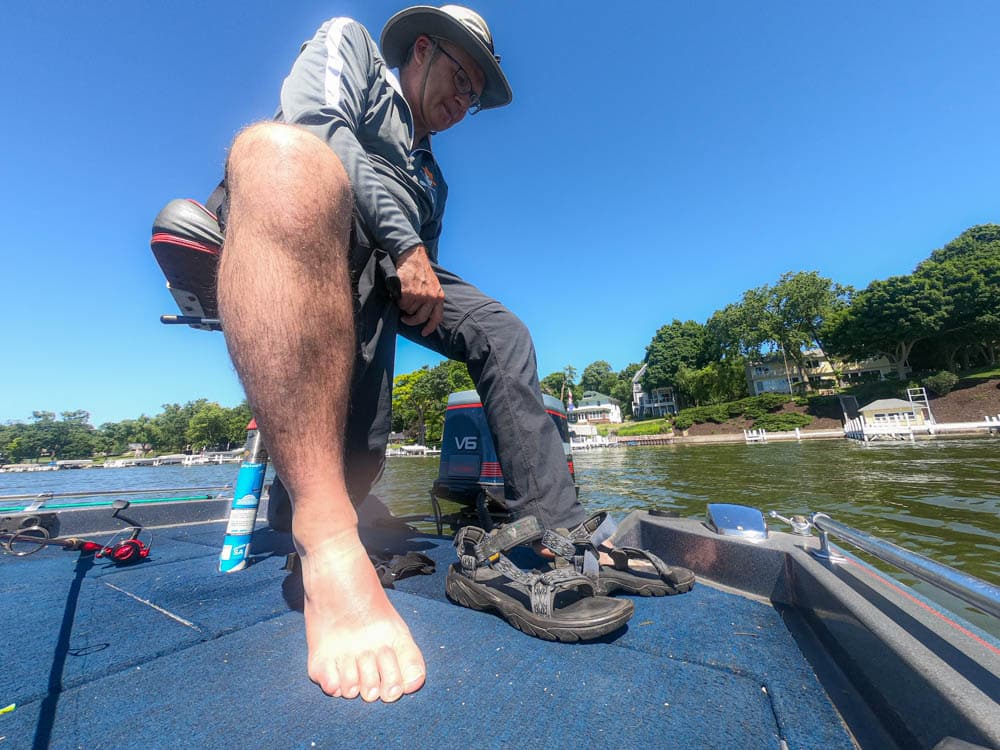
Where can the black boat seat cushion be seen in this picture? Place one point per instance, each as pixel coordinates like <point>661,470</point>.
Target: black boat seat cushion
<point>187,241</point>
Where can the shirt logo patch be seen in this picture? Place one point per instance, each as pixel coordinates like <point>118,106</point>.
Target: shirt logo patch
<point>430,178</point>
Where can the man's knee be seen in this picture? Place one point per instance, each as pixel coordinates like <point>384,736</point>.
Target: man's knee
<point>289,164</point>
<point>494,330</point>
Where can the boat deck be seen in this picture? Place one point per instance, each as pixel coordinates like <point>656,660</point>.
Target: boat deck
<point>171,652</point>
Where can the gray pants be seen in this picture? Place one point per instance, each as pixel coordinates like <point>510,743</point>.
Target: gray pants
<point>497,348</point>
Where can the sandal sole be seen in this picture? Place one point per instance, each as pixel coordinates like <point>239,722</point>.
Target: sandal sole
<point>653,588</point>
<point>481,598</point>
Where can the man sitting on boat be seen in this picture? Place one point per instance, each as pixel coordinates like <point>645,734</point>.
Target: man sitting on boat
<point>332,215</point>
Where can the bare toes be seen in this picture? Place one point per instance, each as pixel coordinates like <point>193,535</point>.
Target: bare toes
<point>392,678</point>
<point>413,669</point>
<point>327,678</point>
<point>368,676</point>
<point>349,679</point>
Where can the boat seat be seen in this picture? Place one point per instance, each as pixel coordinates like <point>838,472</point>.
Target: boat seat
<point>187,242</point>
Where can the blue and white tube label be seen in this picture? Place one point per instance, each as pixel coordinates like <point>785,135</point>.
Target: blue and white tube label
<point>242,517</point>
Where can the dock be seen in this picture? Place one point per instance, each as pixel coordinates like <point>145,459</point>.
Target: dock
<point>903,429</point>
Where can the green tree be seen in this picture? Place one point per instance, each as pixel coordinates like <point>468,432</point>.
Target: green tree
<point>17,444</point>
<point>598,376</point>
<point>15,450</point>
<point>458,376</point>
<point>734,331</point>
<point>674,346</point>
<point>968,270</point>
<point>552,383</point>
<point>171,425</point>
<point>69,437</point>
<point>140,430</point>
<point>559,384</point>
<point>79,444</point>
<point>208,427</point>
<point>887,318</point>
<point>419,400</point>
<point>715,383</point>
<point>113,438</point>
<point>237,420</point>
<point>800,305</point>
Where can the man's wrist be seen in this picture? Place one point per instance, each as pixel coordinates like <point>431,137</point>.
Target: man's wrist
<point>410,252</point>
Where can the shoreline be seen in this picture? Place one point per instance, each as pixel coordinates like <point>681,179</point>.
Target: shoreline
<point>729,438</point>
<point>630,441</point>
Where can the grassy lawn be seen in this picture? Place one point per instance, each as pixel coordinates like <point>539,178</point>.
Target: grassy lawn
<point>646,427</point>
<point>985,373</point>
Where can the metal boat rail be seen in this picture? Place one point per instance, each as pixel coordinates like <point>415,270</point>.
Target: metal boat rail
<point>980,594</point>
<point>62,501</point>
<point>101,493</point>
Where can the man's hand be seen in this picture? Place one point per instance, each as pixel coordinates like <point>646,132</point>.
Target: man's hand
<point>422,298</point>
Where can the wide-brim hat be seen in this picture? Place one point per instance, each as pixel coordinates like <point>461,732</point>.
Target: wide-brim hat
<point>457,24</point>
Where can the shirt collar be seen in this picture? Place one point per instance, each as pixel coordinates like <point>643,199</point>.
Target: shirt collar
<point>424,145</point>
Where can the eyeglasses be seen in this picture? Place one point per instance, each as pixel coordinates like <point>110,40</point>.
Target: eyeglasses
<point>463,84</point>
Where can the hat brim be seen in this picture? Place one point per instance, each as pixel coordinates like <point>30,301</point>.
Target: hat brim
<point>402,30</point>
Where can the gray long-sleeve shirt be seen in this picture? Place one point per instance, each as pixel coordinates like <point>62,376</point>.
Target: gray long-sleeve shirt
<point>341,90</point>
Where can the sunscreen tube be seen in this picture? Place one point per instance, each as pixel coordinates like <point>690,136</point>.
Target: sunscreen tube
<point>246,500</point>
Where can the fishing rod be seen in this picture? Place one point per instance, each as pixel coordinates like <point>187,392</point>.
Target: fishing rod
<point>119,550</point>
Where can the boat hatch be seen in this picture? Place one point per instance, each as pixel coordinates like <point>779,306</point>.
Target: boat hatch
<point>737,520</point>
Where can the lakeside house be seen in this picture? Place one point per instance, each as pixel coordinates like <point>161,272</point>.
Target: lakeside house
<point>595,408</point>
<point>658,403</point>
<point>778,373</point>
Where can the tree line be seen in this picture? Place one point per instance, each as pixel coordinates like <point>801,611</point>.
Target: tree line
<point>193,427</point>
<point>943,315</point>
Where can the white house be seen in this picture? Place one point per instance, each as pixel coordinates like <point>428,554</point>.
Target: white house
<point>659,403</point>
<point>595,407</point>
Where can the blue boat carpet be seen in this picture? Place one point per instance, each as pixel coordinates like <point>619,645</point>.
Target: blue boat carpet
<point>170,653</point>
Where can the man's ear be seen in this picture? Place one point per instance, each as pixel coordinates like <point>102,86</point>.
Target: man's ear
<point>422,47</point>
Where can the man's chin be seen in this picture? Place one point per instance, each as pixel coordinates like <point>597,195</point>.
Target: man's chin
<point>448,120</point>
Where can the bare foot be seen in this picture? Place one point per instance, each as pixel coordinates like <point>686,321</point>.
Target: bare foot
<point>358,643</point>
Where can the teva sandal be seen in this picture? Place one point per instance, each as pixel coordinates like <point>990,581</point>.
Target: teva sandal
<point>557,605</point>
<point>579,549</point>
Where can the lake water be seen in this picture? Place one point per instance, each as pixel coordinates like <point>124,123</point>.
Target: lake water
<point>940,497</point>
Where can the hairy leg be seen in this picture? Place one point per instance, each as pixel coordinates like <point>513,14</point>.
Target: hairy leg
<point>286,304</point>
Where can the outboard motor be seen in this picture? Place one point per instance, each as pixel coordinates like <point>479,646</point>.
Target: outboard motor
<point>469,473</point>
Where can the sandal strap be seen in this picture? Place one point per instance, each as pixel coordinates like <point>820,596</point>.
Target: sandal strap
<point>504,565</point>
<point>581,534</point>
<point>477,547</point>
<point>588,538</point>
<point>595,530</point>
<point>546,585</point>
<point>560,544</point>
<point>621,555</point>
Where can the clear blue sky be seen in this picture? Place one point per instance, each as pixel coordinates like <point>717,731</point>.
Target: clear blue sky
<point>659,159</point>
